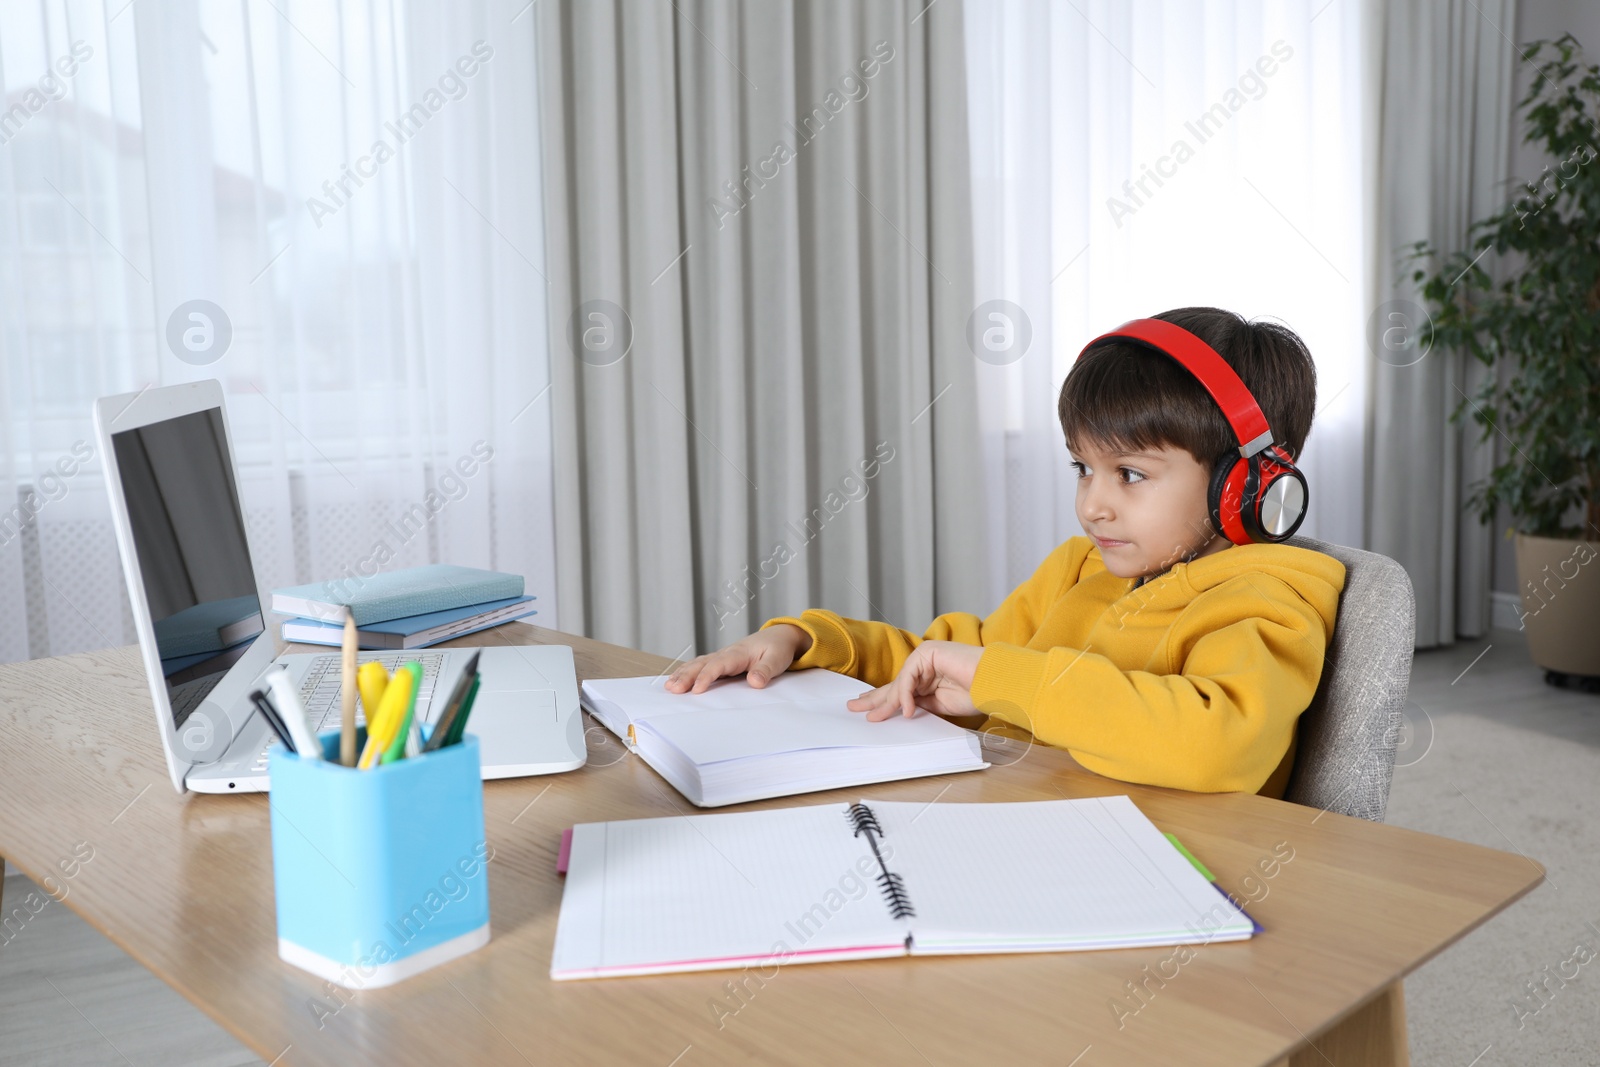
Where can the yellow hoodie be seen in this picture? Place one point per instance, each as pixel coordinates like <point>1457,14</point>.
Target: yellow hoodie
<point>1193,680</point>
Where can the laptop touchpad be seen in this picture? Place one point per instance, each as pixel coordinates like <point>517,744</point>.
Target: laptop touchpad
<point>507,721</point>
<point>515,707</point>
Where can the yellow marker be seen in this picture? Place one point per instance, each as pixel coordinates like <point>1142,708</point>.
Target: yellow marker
<point>372,679</point>
<point>397,698</point>
<point>396,748</point>
<point>391,709</point>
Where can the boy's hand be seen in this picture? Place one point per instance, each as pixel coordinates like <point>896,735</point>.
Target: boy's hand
<point>761,657</point>
<point>936,676</point>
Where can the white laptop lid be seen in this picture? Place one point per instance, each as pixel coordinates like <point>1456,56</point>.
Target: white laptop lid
<point>186,557</point>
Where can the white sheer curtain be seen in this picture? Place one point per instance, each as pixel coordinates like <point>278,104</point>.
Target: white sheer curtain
<point>1130,158</point>
<point>354,190</point>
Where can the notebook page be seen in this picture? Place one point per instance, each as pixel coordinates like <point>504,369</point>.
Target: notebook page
<point>645,698</point>
<point>771,729</point>
<point>796,711</point>
<point>1049,875</point>
<point>617,702</point>
<point>701,892</point>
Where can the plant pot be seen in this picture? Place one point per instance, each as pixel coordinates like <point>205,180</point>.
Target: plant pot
<point>1560,583</point>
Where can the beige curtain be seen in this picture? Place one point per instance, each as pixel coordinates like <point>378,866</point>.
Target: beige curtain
<point>759,250</point>
<point>1443,100</point>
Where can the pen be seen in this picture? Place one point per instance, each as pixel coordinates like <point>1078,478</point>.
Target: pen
<point>293,713</point>
<point>459,727</point>
<point>269,713</point>
<point>347,693</point>
<point>441,726</point>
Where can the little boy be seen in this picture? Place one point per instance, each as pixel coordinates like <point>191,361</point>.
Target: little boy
<point>1154,650</point>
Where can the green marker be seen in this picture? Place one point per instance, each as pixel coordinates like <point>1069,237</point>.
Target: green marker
<point>459,726</point>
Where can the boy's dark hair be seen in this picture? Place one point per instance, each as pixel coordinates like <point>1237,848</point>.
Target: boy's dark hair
<point>1128,398</point>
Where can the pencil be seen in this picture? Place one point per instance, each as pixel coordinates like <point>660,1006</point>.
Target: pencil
<point>347,694</point>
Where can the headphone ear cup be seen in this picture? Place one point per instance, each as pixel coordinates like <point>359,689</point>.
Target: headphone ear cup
<point>1226,497</point>
<point>1278,497</point>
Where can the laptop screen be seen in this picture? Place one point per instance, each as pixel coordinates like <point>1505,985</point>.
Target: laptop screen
<point>194,561</point>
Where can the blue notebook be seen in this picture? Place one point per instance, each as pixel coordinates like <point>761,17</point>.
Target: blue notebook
<point>414,631</point>
<point>396,594</point>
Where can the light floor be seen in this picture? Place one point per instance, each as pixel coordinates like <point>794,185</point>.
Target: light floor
<point>1515,765</point>
<point>1498,758</point>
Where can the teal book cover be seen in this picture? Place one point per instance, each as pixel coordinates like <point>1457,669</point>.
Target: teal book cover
<point>396,594</point>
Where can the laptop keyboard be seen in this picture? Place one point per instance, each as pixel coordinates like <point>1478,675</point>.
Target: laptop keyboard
<point>319,692</point>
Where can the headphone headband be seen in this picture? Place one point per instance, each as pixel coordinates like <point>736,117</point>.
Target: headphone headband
<point>1234,399</point>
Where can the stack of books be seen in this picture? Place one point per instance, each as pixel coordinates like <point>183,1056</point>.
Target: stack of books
<point>411,608</point>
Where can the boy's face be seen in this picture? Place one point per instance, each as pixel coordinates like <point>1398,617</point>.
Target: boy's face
<point>1145,510</point>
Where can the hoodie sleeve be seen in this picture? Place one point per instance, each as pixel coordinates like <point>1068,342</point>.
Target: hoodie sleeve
<point>1245,661</point>
<point>874,652</point>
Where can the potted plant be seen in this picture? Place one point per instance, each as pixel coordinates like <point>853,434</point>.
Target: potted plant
<point>1538,329</point>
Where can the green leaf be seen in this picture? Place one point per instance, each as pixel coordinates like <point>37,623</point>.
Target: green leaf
<point>1542,322</point>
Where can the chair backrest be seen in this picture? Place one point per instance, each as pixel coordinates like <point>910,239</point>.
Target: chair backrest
<point>1344,758</point>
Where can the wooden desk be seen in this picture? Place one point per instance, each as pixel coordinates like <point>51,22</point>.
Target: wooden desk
<point>184,885</point>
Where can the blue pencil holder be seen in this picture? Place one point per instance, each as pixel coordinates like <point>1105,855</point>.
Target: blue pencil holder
<point>379,874</point>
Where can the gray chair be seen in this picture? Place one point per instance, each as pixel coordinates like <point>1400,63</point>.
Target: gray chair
<point>1344,759</point>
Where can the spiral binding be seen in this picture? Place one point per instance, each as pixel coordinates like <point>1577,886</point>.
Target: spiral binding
<point>893,886</point>
<point>894,891</point>
<point>862,818</point>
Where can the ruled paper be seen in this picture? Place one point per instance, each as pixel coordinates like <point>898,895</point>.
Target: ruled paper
<point>1048,876</point>
<point>700,892</point>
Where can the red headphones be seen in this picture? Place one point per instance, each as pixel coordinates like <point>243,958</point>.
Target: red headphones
<point>1258,496</point>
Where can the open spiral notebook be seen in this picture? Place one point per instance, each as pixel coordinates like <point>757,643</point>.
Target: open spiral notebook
<point>876,879</point>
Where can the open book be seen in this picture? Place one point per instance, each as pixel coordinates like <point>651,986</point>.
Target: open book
<point>876,879</point>
<point>735,743</point>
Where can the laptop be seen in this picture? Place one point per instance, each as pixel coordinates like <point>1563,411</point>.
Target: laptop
<point>204,639</point>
